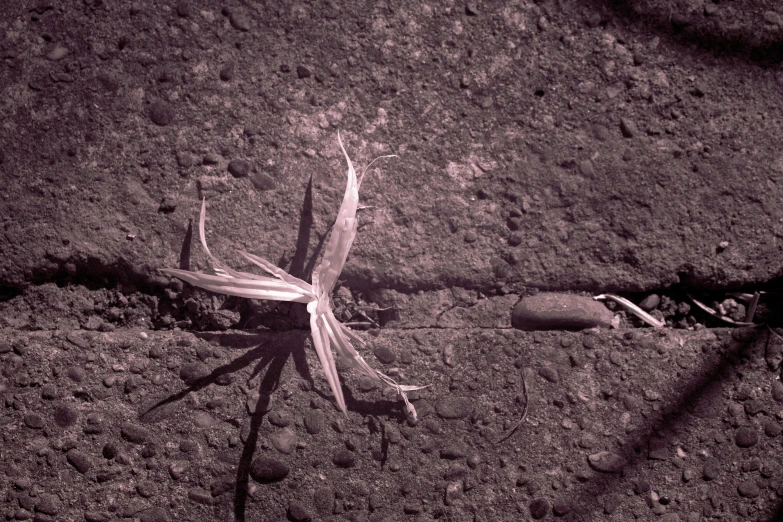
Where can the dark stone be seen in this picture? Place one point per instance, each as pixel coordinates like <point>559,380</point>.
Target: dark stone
<point>48,504</point>
<point>344,459</point>
<point>109,450</point>
<point>161,113</point>
<point>154,514</point>
<point>263,181</point>
<point>65,415</point>
<point>34,421</point>
<point>79,460</point>
<point>314,421</point>
<point>134,433</point>
<point>200,496</point>
<point>746,437</point>
<point>298,512</point>
<point>239,168</point>
<point>748,489</point>
<point>193,372</point>
<point>711,469</point>
<point>385,355</point>
<point>539,508</point>
<point>266,470</point>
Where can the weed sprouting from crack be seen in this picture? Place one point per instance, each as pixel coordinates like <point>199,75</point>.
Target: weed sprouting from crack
<point>326,330</point>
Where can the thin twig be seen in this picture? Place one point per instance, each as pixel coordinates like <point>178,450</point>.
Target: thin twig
<point>524,412</point>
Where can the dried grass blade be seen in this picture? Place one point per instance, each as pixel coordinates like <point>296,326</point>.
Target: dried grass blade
<point>716,315</point>
<point>277,272</point>
<point>638,312</point>
<point>271,289</point>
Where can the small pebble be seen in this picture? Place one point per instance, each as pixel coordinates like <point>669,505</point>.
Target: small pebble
<point>79,460</point>
<point>777,391</point>
<point>549,373</point>
<point>193,372</point>
<point>49,392</point>
<point>48,504</point>
<point>607,462</point>
<point>323,500</point>
<point>539,508</point>
<point>154,514</point>
<point>343,458</point>
<point>183,9</point>
<point>650,303</point>
<point>76,374</point>
<point>266,470</point>
<point>628,127</point>
<point>283,440</point>
<point>161,113</point>
<point>772,428</point>
<point>200,496</point>
<point>58,53</point>
<point>711,469</point>
<point>34,421</point>
<point>385,354</point>
<point>303,72</point>
<point>239,20</point>
<point>748,489</point>
<point>146,489</point>
<point>746,437</point>
<point>65,415</point>
<point>227,72</point>
<point>280,418</point>
<point>754,407</point>
<point>109,450</point>
<point>314,421</point>
<point>298,512</point>
<point>263,181</point>
<point>178,468</point>
<point>134,433</point>
<point>561,508</point>
<point>239,168</point>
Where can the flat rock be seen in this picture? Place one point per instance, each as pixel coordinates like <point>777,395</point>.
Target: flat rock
<point>607,462</point>
<point>552,311</point>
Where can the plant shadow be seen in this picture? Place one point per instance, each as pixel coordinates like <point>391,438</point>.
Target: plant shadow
<point>697,396</point>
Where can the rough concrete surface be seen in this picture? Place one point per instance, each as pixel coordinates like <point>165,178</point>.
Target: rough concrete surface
<point>571,146</point>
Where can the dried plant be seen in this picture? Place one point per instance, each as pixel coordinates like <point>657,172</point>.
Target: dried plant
<point>325,328</point>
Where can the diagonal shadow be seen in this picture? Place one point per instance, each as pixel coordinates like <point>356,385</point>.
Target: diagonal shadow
<point>184,253</point>
<point>691,398</point>
<point>704,33</point>
<point>270,354</point>
<point>300,266</point>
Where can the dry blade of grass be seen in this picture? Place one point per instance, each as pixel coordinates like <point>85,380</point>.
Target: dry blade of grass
<point>718,316</point>
<point>327,332</point>
<point>628,305</point>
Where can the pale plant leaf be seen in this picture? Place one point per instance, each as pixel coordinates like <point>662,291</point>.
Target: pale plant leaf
<point>326,331</point>
<point>272,290</point>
